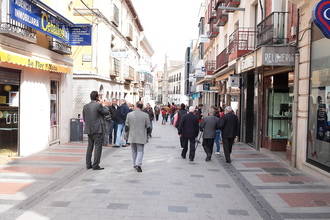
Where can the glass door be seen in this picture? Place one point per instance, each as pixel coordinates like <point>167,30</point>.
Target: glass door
<point>54,112</point>
<point>9,119</point>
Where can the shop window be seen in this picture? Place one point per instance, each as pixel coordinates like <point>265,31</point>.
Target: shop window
<point>318,136</point>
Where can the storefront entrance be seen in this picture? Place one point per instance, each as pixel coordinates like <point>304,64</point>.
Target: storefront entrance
<point>9,112</point>
<point>54,112</point>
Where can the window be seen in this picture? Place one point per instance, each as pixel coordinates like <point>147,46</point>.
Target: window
<point>115,19</point>
<point>318,135</point>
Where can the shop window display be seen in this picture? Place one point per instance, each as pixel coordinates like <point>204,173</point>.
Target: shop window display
<point>318,134</point>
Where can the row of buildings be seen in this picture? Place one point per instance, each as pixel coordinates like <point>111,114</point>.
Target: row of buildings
<point>269,60</point>
<point>52,55</point>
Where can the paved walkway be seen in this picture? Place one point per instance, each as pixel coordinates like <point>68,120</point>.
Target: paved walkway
<point>54,184</point>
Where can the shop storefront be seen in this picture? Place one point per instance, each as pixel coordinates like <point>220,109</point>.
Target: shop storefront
<point>318,135</point>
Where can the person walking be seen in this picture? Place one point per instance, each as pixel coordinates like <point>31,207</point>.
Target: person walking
<point>93,115</point>
<point>122,114</point>
<point>209,126</point>
<point>157,112</point>
<point>229,129</point>
<point>108,126</point>
<point>164,115</point>
<point>189,129</point>
<point>137,126</point>
<point>218,112</point>
<point>182,112</point>
<point>151,115</point>
<point>114,112</point>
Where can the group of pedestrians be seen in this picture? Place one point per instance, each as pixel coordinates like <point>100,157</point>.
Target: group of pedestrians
<point>126,124</point>
<point>217,126</point>
<point>106,121</point>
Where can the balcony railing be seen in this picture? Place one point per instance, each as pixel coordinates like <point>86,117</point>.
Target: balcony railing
<point>218,3</point>
<point>271,31</point>
<point>116,68</point>
<point>232,3</point>
<point>211,13</point>
<point>59,47</point>
<point>241,42</point>
<point>213,31</point>
<point>210,67</point>
<point>222,18</point>
<point>222,59</point>
<point>18,30</point>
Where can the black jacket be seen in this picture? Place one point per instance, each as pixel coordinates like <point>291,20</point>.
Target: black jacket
<point>188,126</point>
<point>229,125</point>
<point>181,113</point>
<point>114,113</point>
<point>93,114</point>
<point>123,110</point>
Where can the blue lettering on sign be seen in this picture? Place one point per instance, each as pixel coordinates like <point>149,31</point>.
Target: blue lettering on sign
<point>321,17</point>
<point>81,35</point>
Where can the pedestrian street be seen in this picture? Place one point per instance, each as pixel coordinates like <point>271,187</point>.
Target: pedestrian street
<point>254,186</point>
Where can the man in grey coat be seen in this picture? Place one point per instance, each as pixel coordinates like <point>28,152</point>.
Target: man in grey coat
<point>209,125</point>
<point>93,115</point>
<point>137,126</point>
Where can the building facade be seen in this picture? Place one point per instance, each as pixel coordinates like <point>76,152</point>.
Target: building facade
<point>35,78</point>
<point>271,66</point>
<point>118,62</point>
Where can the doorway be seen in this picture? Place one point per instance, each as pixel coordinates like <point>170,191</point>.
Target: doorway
<point>9,112</point>
<point>54,112</point>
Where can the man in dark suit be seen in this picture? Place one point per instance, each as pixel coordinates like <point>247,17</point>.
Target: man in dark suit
<point>229,129</point>
<point>93,114</point>
<point>114,111</point>
<point>189,129</point>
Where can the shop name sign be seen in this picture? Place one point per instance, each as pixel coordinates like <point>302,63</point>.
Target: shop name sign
<point>278,56</point>
<point>321,17</point>
<point>26,12</point>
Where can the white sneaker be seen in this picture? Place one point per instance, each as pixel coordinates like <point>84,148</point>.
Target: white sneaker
<point>217,153</point>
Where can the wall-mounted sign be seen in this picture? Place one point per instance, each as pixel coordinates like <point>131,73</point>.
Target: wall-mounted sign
<point>321,17</point>
<point>278,56</point>
<point>26,12</point>
<point>81,35</point>
<point>233,81</point>
<point>206,86</point>
<point>247,63</point>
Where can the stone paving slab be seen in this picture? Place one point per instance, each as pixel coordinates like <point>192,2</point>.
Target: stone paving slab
<point>253,187</point>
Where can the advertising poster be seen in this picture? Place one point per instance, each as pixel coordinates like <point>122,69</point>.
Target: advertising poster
<point>322,124</point>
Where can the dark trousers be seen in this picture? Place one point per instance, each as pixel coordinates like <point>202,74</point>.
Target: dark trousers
<point>157,117</point>
<point>208,147</point>
<point>94,140</point>
<point>181,141</point>
<point>227,147</point>
<point>191,148</point>
<point>113,131</point>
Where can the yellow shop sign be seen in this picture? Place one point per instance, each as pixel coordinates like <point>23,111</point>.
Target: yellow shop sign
<point>8,57</point>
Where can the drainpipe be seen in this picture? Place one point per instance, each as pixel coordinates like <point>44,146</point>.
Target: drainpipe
<point>295,100</point>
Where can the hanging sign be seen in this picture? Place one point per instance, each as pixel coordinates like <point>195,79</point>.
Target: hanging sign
<point>81,35</point>
<point>321,17</point>
<point>29,14</point>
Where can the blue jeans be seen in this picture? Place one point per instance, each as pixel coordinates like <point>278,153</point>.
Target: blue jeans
<point>119,139</point>
<point>113,131</point>
<point>217,139</point>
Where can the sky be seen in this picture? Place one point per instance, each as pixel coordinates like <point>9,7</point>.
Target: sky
<point>169,25</point>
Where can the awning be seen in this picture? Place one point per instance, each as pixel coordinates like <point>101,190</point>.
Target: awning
<point>225,76</point>
<point>31,62</point>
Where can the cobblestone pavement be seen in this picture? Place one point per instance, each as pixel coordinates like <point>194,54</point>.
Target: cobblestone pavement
<point>54,184</point>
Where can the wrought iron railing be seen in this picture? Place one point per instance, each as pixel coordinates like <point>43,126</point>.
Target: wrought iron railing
<point>116,67</point>
<point>59,47</point>
<point>18,29</point>
<point>241,41</point>
<point>210,66</point>
<point>232,3</point>
<point>222,59</point>
<point>271,30</point>
<point>222,18</point>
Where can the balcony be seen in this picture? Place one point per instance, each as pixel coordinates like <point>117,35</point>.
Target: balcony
<point>59,47</point>
<point>222,59</point>
<point>116,68</point>
<point>232,3</point>
<point>19,31</point>
<point>222,18</point>
<point>271,31</point>
<point>211,13</point>
<point>213,31</point>
<point>130,77</point>
<point>210,67</point>
<point>218,3</point>
<point>242,41</point>
<point>129,35</point>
